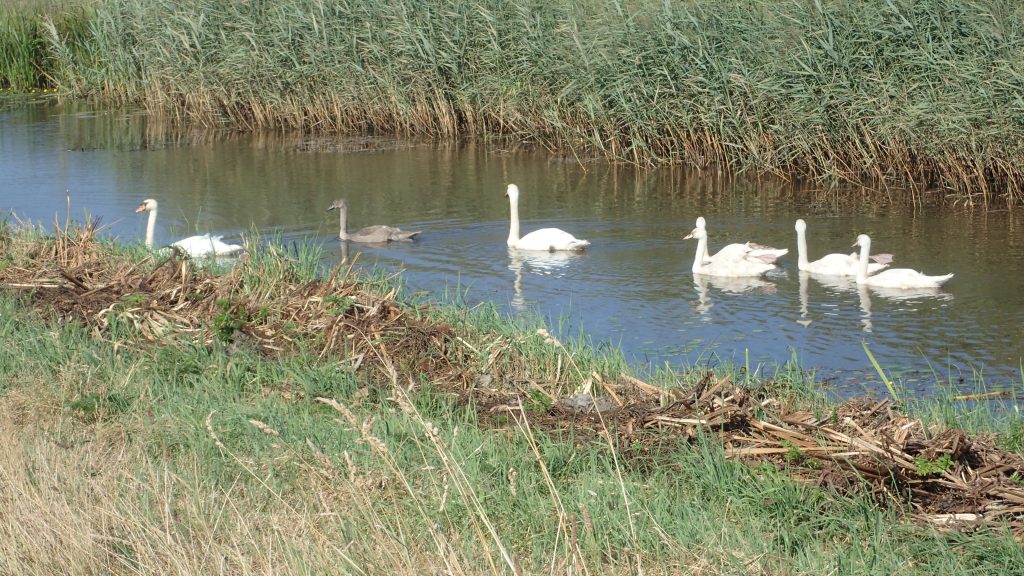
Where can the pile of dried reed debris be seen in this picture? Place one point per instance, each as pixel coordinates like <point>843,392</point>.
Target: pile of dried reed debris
<point>943,477</point>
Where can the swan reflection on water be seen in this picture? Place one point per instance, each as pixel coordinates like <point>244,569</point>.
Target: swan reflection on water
<point>553,264</point>
<point>702,283</point>
<point>865,293</point>
<point>846,284</point>
<point>805,315</point>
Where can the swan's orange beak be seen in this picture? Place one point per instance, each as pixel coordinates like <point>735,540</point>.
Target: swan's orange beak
<point>141,208</point>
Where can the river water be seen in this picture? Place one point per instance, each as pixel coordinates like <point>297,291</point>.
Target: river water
<point>632,289</point>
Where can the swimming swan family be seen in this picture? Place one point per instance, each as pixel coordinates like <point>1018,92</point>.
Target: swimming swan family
<point>737,260</point>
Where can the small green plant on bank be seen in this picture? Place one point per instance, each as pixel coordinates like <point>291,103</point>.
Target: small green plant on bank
<point>932,466</point>
<point>229,320</point>
<point>133,300</point>
<point>793,454</point>
<point>538,401</point>
<point>94,406</point>
<point>338,305</point>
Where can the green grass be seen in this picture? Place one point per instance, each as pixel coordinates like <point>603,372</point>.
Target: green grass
<point>175,458</point>
<point>921,94</point>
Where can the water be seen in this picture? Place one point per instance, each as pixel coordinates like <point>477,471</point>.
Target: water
<point>631,290</point>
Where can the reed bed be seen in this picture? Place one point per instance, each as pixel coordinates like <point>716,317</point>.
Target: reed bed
<point>25,56</point>
<point>917,94</point>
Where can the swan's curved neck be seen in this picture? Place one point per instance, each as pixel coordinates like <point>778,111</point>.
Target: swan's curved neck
<point>801,249</point>
<point>150,228</point>
<point>342,222</point>
<point>513,232</point>
<point>703,226</point>
<point>862,264</point>
<point>702,250</point>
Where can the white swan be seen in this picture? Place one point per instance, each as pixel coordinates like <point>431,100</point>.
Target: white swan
<point>546,239</point>
<point>195,246</point>
<point>738,260</point>
<point>378,234</point>
<point>903,278</point>
<point>735,251</point>
<point>833,264</point>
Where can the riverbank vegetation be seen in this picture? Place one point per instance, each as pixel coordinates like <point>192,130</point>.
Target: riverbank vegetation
<point>25,53</point>
<point>163,417</point>
<point>922,94</point>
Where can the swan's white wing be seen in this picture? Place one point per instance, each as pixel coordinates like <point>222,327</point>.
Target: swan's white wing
<point>905,278</point>
<point>550,239</point>
<point>729,252</point>
<point>845,264</point>
<point>762,250</point>
<point>733,252</point>
<point>738,267</point>
<point>206,245</point>
<point>740,260</point>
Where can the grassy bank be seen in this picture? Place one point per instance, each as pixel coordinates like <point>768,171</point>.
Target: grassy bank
<point>919,93</point>
<point>156,418</point>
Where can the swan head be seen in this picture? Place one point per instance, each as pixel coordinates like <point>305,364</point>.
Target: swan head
<point>862,240</point>
<point>697,233</point>
<point>338,204</point>
<point>701,223</point>
<point>512,191</point>
<point>148,205</point>
<point>800,226</point>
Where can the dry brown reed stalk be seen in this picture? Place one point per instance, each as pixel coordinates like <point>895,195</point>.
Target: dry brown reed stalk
<point>462,483</point>
<point>443,547</point>
<point>566,525</point>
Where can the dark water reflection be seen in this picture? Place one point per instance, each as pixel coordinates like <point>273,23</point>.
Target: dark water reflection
<point>633,289</point>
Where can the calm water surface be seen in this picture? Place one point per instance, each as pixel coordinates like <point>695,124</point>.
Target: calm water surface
<point>632,289</point>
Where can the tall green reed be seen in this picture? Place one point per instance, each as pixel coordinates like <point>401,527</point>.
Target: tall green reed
<point>28,29</point>
<point>894,91</point>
